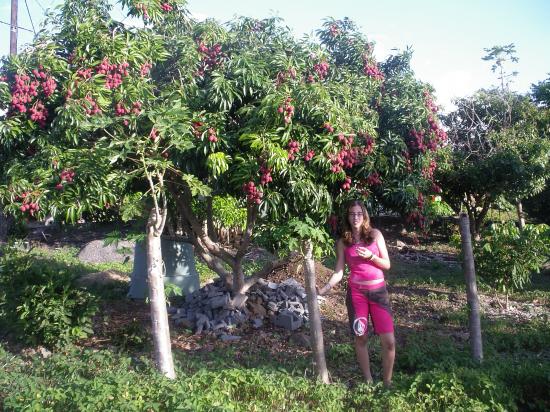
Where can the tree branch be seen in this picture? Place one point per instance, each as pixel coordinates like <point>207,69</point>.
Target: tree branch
<point>263,273</point>
<point>183,200</point>
<point>251,215</point>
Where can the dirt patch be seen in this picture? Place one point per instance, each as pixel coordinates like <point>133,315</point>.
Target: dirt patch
<point>102,279</point>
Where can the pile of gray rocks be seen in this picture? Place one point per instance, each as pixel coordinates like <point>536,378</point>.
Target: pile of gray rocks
<point>212,309</point>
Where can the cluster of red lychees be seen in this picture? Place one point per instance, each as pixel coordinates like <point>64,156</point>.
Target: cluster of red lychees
<point>293,147</point>
<point>25,94</point>
<point>253,195</point>
<point>287,109</point>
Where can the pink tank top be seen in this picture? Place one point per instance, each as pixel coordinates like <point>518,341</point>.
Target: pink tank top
<point>360,268</point>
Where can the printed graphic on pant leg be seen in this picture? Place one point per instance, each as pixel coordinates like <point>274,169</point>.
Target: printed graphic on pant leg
<point>357,304</point>
<point>360,326</point>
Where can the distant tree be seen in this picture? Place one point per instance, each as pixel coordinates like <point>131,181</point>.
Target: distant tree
<point>541,93</point>
<point>496,150</point>
<point>537,205</point>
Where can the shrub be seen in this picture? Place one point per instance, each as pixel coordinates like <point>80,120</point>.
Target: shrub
<point>39,302</point>
<point>228,213</point>
<point>507,256</point>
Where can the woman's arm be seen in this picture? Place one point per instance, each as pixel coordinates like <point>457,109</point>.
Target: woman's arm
<point>338,270</point>
<point>382,261</point>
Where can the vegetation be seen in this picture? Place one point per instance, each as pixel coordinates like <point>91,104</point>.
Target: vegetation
<point>508,256</point>
<point>243,127</point>
<point>103,116</point>
<point>433,369</point>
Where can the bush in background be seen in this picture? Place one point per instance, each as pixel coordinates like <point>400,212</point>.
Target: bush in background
<point>39,302</point>
<point>506,256</point>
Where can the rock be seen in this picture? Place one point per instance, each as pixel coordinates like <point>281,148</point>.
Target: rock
<point>219,301</point>
<point>184,323</point>
<point>300,339</point>
<point>257,310</point>
<point>288,320</point>
<point>400,245</point>
<point>257,323</point>
<point>96,252</point>
<point>237,302</point>
<point>45,353</point>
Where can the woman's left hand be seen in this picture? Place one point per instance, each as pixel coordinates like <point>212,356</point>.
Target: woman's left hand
<point>364,253</point>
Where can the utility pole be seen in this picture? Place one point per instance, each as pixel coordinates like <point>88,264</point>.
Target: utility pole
<point>13,32</point>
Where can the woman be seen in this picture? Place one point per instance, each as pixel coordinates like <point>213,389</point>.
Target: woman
<point>364,250</point>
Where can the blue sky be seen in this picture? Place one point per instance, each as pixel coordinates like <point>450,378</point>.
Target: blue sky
<point>448,37</point>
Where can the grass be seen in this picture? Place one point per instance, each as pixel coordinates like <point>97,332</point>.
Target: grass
<point>69,257</point>
<point>435,273</point>
<point>433,369</point>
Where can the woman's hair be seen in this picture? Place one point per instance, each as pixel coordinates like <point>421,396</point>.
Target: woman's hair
<point>366,229</point>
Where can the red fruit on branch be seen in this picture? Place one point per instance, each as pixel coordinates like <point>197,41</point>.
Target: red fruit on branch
<point>374,179</point>
<point>293,147</point>
<point>253,195</point>
<point>166,7</point>
<point>265,175</point>
<point>153,135</point>
<point>328,127</point>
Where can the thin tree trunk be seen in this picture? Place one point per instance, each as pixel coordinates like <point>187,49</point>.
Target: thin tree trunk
<point>211,230</point>
<point>521,217</point>
<point>157,299</point>
<point>3,227</point>
<point>471,289</point>
<point>314,316</point>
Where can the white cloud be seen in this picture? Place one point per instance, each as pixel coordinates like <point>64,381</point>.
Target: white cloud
<point>451,84</point>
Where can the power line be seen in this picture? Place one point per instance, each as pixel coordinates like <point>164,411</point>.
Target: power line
<point>19,27</point>
<point>37,2</point>
<point>30,17</point>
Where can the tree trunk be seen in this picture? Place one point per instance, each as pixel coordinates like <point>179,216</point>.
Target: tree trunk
<point>471,289</point>
<point>3,227</point>
<point>314,316</point>
<point>211,230</point>
<point>521,217</point>
<point>157,299</point>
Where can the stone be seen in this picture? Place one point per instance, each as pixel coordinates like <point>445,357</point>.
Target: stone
<point>45,353</point>
<point>96,252</point>
<point>300,339</point>
<point>400,245</point>
<point>288,320</point>
<point>219,301</point>
<point>219,325</point>
<point>257,309</point>
<point>272,306</point>
<point>257,323</point>
<point>184,323</point>
<point>238,301</point>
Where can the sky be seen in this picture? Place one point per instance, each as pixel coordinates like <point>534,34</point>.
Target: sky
<point>447,37</point>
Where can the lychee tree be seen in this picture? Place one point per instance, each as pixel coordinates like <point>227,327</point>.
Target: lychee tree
<point>291,128</point>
